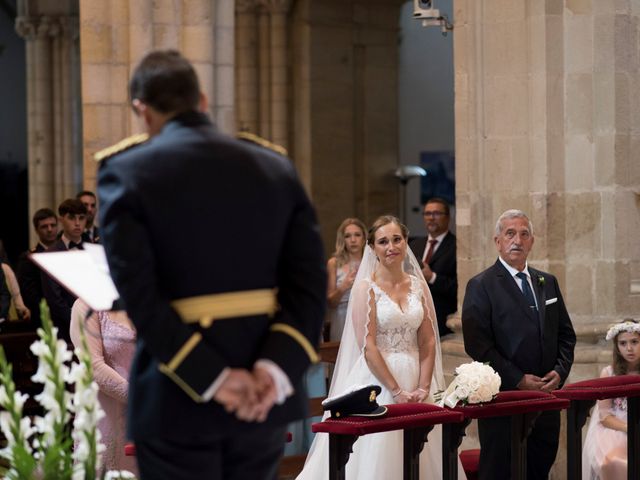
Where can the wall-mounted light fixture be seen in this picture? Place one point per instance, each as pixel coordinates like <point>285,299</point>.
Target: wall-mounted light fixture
<point>426,11</point>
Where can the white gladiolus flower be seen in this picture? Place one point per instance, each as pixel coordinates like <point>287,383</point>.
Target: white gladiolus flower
<point>37,439</point>
<point>4,399</point>
<point>5,425</point>
<point>39,348</point>
<point>78,474</point>
<point>119,475</point>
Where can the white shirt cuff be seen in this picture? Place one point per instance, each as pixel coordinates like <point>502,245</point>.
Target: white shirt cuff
<point>432,280</point>
<point>284,389</point>
<point>213,388</point>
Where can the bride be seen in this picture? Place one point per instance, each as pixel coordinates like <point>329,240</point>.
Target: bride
<point>390,339</point>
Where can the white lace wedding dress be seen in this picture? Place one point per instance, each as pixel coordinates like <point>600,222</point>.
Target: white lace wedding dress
<point>379,456</point>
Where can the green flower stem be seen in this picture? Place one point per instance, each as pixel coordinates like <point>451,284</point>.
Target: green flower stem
<point>57,456</point>
<point>22,462</point>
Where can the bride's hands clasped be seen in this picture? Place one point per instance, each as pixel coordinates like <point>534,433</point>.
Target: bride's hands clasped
<point>420,395</point>
<point>402,396</point>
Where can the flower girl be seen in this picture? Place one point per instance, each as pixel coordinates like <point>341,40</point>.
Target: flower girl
<point>604,455</point>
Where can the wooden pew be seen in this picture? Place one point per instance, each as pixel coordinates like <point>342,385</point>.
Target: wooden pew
<point>291,465</point>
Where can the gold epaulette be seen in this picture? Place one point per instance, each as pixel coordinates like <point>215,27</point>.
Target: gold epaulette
<point>253,138</point>
<point>121,146</point>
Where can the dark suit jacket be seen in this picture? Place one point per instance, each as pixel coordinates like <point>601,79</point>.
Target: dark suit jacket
<point>500,328</point>
<point>94,237</point>
<point>59,299</point>
<point>445,289</point>
<point>30,281</point>
<point>177,215</point>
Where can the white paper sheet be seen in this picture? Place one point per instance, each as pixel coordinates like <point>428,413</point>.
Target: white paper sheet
<point>84,273</point>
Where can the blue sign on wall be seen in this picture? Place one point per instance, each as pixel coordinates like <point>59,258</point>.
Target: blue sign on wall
<point>440,179</point>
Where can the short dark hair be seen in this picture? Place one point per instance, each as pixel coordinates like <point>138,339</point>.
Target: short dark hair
<point>85,193</point>
<point>43,214</point>
<point>72,206</point>
<point>442,202</point>
<point>166,81</point>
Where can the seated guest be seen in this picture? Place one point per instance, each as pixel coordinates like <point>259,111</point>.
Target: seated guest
<point>111,340</point>
<point>5,298</point>
<point>342,268</point>
<point>604,456</point>
<point>17,308</point>
<point>73,217</point>
<point>45,223</point>
<point>91,233</point>
<point>437,252</point>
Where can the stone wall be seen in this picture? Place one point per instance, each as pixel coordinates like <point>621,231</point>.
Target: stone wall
<point>546,121</point>
<point>548,125</point>
<point>345,140</point>
<point>50,30</point>
<point>116,34</point>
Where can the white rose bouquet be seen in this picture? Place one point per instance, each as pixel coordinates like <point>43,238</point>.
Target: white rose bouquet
<point>473,383</point>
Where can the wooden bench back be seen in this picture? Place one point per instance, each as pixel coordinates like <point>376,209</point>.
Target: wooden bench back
<point>291,465</point>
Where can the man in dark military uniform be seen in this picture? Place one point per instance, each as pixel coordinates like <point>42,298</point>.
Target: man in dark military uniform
<point>214,248</point>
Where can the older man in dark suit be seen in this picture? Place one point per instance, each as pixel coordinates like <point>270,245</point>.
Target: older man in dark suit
<point>224,338</point>
<point>514,317</point>
<point>437,252</point>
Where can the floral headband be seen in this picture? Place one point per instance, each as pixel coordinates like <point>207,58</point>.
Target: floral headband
<point>625,326</point>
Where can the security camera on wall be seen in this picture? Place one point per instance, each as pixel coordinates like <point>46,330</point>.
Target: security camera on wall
<point>424,9</point>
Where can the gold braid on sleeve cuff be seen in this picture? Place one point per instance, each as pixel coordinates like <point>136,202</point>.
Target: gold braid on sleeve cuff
<point>298,337</point>
<point>169,369</point>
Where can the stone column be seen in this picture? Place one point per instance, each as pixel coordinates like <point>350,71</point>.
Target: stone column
<point>115,35</point>
<point>246,65</point>
<point>545,122</point>
<point>546,126</point>
<point>53,122</point>
<point>224,65</point>
<point>41,120</point>
<point>67,127</point>
<point>344,84</point>
<point>278,62</point>
<point>264,73</point>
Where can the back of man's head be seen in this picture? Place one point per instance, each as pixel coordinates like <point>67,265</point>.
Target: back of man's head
<point>42,214</point>
<point>71,206</point>
<point>165,81</point>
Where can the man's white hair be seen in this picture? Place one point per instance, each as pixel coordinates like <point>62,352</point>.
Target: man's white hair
<point>508,215</point>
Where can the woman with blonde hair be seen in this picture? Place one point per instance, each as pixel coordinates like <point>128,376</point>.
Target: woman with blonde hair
<point>342,268</point>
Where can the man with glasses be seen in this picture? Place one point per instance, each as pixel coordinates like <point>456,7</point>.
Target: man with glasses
<point>91,232</point>
<point>437,251</point>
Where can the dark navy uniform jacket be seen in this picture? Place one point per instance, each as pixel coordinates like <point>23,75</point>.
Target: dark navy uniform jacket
<point>194,212</point>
